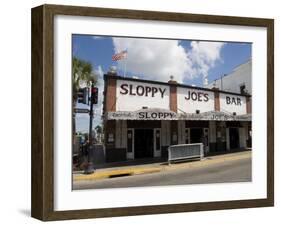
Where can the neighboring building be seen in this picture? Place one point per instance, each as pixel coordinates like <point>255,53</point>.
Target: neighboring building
<point>142,118</point>
<point>238,81</point>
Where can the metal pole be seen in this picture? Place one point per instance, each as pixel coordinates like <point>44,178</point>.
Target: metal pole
<point>125,67</point>
<point>90,167</point>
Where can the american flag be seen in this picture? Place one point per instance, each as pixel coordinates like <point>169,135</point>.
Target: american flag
<point>119,56</point>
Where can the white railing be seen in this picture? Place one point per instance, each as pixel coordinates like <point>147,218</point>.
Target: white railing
<point>185,151</point>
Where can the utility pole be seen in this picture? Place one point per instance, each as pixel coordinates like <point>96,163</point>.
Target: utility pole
<point>90,166</point>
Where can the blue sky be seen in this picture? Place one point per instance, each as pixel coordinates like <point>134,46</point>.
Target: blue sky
<point>190,62</point>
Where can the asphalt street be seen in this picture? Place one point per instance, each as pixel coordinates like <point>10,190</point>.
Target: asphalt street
<point>228,171</point>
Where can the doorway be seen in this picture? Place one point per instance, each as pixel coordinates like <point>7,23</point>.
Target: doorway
<point>196,135</point>
<point>143,143</point>
<point>233,138</point>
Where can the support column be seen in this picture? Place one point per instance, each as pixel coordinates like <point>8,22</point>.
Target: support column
<point>165,137</point>
<point>181,132</point>
<point>121,134</point>
<point>165,133</point>
<point>243,135</point>
<point>227,139</point>
<point>212,137</point>
<point>174,132</point>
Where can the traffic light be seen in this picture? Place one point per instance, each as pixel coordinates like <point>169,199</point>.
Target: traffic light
<point>95,94</point>
<point>83,95</point>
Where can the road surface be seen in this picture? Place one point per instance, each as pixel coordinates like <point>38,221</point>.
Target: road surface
<point>229,171</point>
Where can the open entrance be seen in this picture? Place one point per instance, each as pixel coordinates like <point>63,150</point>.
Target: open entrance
<point>233,138</point>
<point>143,143</point>
<point>196,135</point>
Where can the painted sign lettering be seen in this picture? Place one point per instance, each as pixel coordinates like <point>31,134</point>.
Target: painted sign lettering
<point>140,90</point>
<point>168,115</point>
<point>156,115</point>
<point>233,100</point>
<point>197,96</point>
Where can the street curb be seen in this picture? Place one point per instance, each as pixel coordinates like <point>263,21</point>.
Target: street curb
<point>116,173</point>
<point>136,170</point>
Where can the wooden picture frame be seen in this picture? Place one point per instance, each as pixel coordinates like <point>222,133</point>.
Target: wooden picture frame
<point>42,205</point>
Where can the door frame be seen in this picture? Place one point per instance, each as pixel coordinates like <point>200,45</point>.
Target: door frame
<point>187,135</point>
<point>206,133</point>
<point>131,155</point>
<point>156,153</point>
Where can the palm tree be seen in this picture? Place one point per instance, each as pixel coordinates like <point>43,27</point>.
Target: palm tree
<point>82,72</point>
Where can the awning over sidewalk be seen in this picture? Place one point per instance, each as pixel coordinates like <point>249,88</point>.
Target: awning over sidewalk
<point>163,114</point>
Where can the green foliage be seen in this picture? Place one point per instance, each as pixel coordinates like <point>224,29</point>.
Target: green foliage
<point>82,71</point>
<point>98,129</point>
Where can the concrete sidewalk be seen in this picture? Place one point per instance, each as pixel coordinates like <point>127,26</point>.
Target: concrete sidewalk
<point>159,166</point>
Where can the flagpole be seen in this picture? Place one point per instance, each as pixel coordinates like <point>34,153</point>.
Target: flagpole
<point>125,63</point>
<point>125,67</point>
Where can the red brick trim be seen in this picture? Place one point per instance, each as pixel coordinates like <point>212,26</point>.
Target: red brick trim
<point>217,100</point>
<point>248,105</point>
<point>173,98</point>
<point>110,95</point>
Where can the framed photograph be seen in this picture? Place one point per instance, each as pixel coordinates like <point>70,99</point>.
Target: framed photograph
<point>142,112</point>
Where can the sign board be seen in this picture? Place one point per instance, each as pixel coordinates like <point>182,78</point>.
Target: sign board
<point>81,110</point>
<point>233,103</point>
<point>162,114</point>
<point>190,100</point>
<point>134,95</point>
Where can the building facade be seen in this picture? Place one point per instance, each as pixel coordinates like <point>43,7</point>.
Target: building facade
<point>237,81</point>
<point>143,118</point>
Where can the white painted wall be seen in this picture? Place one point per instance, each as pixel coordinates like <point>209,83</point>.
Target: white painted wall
<point>241,75</point>
<point>239,109</point>
<point>190,106</point>
<point>127,102</point>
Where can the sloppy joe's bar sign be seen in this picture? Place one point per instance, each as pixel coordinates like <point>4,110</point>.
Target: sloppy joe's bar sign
<point>141,90</point>
<point>159,114</point>
<point>233,103</point>
<point>143,115</point>
<point>134,95</point>
<point>189,100</point>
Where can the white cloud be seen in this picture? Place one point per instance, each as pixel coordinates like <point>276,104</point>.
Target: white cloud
<point>204,56</point>
<point>155,59</point>
<point>159,59</point>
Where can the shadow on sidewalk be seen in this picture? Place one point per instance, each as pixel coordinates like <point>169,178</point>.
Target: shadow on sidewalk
<point>134,162</point>
<point>227,152</point>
